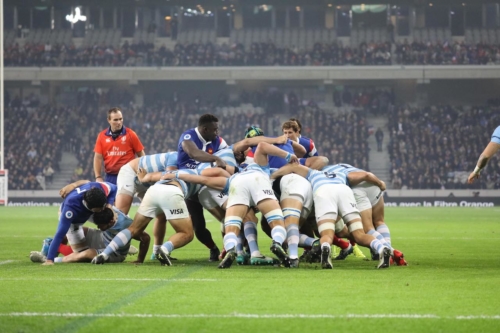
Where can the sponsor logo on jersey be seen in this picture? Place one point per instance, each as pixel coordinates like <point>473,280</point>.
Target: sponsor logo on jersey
<point>210,151</point>
<point>124,139</point>
<point>177,211</point>
<point>268,192</point>
<point>69,214</point>
<point>108,140</point>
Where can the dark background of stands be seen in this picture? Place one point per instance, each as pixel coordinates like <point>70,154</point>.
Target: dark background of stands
<point>432,142</point>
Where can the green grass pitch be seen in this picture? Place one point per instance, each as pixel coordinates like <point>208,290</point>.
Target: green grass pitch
<point>452,284</point>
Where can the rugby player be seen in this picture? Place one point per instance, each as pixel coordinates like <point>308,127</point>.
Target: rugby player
<point>488,152</point>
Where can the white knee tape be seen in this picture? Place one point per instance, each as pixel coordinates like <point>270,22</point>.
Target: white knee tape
<point>326,226</point>
<point>351,217</point>
<point>291,212</point>
<point>233,221</point>
<point>339,226</point>
<point>355,226</point>
<point>275,214</point>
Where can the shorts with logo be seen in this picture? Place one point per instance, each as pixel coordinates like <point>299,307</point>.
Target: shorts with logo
<point>250,188</point>
<point>367,195</point>
<point>126,180</point>
<point>335,199</point>
<point>296,187</point>
<point>164,198</point>
<point>210,198</point>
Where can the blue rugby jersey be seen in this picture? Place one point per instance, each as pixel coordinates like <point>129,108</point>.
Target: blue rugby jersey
<point>309,145</point>
<point>183,159</point>
<point>275,161</point>
<point>73,211</point>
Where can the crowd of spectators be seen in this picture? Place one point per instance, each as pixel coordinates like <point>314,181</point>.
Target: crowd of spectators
<point>456,53</point>
<point>430,148</point>
<point>34,139</point>
<point>437,147</point>
<point>258,54</point>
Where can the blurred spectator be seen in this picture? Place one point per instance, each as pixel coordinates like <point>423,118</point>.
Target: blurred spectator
<point>379,136</point>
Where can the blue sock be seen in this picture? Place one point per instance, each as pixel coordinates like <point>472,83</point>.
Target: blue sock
<point>169,246</point>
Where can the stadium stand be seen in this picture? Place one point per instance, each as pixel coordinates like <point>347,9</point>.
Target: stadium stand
<point>436,147</point>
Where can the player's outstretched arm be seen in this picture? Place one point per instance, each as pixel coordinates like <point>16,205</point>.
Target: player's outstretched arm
<point>488,152</point>
<point>298,149</point>
<point>218,183</point>
<point>70,187</point>
<point>265,149</point>
<point>250,142</point>
<point>199,155</point>
<point>218,172</point>
<point>357,177</point>
<point>317,162</point>
<point>291,168</point>
<point>145,177</point>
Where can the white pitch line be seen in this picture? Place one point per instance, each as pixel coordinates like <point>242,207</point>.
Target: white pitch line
<point>109,279</point>
<point>244,316</point>
<point>6,262</point>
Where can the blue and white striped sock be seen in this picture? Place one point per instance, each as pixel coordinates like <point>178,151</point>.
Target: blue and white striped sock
<point>376,245</point>
<point>230,241</point>
<point>122,238</point>
<point>378,236</point>
<point>278,234</point>
<point>384,231</point>
<point>250,229</point>
<point>306,241</point>
<point>292,234</point>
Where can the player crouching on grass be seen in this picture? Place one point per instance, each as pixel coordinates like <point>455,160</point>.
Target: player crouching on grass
<point>166,197</point>
<point>110,221</point>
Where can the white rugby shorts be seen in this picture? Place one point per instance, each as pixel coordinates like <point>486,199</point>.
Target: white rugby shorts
<point>125,180</point>
<point>336,199</point>
<point>210,198</point>
<point>165,198</point>
<point>296,187</point>
<point>249,189</point>
<point>367,195</point>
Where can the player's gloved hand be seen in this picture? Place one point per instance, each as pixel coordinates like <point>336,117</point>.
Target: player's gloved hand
<point>98,260</point>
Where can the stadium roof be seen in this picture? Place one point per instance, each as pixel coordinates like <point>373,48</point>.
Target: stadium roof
<point>108,3</point>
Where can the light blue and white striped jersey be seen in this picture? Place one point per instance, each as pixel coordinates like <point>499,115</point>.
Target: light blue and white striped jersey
<point>251,168</point>
<point>188,189</point>
<point>227,155</point>
<point>340,168</point>
<point>123,222</point>
<point>320,178</point>
<point>158,162</point>
<point>495,137</point>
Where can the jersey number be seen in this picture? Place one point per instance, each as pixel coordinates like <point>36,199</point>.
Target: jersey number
<point>330,174</point>
<point>79,190</point>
